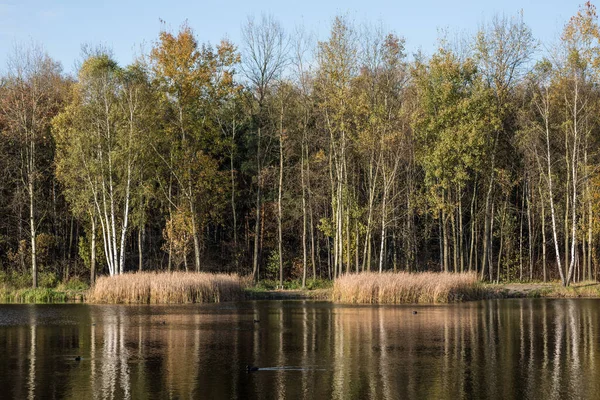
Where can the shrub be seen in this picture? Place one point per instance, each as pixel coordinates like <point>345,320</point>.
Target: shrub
<point>75,284</point>
<point>47,280</point>
<point>15,279</point>
<point>267,284</point>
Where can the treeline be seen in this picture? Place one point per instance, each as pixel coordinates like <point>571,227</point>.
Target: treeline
<point>288,159</point>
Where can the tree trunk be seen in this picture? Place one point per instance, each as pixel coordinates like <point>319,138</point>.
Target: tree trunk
<point>544,270</point>
<point>304,214</point>
<point>486,229</point>
<point>530,232</point>
<point>195,236</point>
<point>523,194</point>
<point>140,248</point>
<point>170,201</point>
<point>33,232</point>
<point>233,208</point>
<point>441,240</point>
<point>472,253</point>
<point>502,219</point>
<point>445,238</point>
<point>312,242</point>
<point>461,231</point>
<point>551,192</point>
<point>257,225</point>
<point>383,222</point>
<point>93,252</point>
<point>490,259</point>
<point>454,242</point>
<point>279,210</point>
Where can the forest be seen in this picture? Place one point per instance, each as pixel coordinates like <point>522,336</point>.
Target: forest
<point>288,158</point>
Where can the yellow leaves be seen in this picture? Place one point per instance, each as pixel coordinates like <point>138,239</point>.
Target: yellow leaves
<point>227,53</point>
<point>583,23</point>
<point>581,38</point>
<point>178,234</point>
<point>320,156</point>
<point>188,70</point>
<point>176,60</point>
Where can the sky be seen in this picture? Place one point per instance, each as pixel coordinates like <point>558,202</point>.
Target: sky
<point>129,26</point>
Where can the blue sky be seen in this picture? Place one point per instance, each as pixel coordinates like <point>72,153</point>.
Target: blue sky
<point>124,25</point>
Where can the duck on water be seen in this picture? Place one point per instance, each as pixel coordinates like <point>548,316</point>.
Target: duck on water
<point>250,368</point>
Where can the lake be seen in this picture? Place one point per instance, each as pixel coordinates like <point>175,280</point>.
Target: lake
<point>497,349</point>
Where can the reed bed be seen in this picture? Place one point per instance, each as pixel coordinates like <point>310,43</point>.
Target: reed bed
<point>404,287</point>
<point>166,288</point>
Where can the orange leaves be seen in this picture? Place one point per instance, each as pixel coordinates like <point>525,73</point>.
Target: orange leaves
<point>175,61</point>
<point>581,37</point>
<point>188,70</point>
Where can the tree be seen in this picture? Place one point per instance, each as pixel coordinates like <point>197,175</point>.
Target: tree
<point>502,51</point>
<point>100,139</point>
<point>194,81</point>
<point>337,67</point>
<point>263,59</point>
<point>451,129</point>
<point>32,94</point>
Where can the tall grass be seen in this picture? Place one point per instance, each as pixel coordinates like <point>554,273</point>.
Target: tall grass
<point>403,287</point>
<point>167,288</point>
<point>39,295</point>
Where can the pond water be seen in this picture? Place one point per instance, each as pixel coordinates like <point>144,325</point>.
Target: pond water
<point>500,349</point>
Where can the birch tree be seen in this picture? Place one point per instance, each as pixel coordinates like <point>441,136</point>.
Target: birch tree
<point>98,137</point>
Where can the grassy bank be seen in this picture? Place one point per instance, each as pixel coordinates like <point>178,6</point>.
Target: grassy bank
<point>589,289</point>
<point>41,295</point>
<point>365,288</point>
<point>403,287</point>
<point>16,288</point>
<point>166,288</point>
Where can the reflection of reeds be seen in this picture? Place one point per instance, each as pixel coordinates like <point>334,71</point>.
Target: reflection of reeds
<point>403,287</point>
<point>168,288</point>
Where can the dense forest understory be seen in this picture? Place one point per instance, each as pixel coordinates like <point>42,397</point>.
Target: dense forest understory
<point>290,158</point>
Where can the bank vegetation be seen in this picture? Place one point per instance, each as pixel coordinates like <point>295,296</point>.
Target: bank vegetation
<point>166,288</point>
<point>403,287</point>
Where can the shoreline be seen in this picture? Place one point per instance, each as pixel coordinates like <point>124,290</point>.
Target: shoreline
<point>582,290</point>
<point>586,290</point>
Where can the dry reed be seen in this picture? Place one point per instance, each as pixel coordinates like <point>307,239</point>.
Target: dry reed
<point>403,287</point>
<point>167,288</point>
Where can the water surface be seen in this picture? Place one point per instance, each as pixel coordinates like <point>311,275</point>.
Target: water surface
<point>501,349</point>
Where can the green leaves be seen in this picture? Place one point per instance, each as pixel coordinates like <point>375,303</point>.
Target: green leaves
<point>454,121</point>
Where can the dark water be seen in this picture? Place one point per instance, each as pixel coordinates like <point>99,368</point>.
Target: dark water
<point>538,349</point>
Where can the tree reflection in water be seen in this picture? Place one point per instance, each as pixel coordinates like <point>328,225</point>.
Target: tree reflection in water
<point>492,349</point>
